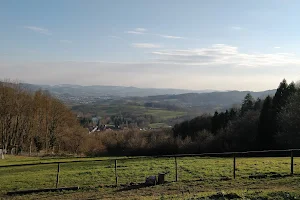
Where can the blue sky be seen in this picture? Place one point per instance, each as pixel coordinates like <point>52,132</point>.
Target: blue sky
<point>192,44</point>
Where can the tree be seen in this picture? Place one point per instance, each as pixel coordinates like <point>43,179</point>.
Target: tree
<point>219,121</point>
<point>258,104</point>
<point>266,133</point>
<point>240,134</point>
<point>215,124</point>
<point>248,104</point>
<point>38,144</point>
<point>233,113</point>
<point>280,97</point>
<point>290,90</point>
<point>288,135</point>
<point>192,127</point>
<point>32,120</point>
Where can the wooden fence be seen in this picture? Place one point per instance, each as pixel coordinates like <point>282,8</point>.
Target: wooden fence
<point>234,155</point>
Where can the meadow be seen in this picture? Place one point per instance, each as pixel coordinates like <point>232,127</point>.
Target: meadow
<point>197,177</point>
<point>134,110</point>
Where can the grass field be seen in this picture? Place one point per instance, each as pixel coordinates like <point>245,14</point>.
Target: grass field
<point>198,177</point>
<point>158,125</point>
<point>109,110</point>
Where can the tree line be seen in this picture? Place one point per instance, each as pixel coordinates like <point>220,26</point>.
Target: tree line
<point>32,122</point>
<point>269,123</point>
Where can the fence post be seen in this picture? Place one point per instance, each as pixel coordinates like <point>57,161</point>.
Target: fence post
<point>292,163</point>
<point>57,175</point>
<point>234,166</point>
<point>176,169</point>
<point>116,175</point>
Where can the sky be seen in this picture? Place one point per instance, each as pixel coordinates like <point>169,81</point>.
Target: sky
<point>186,44</point>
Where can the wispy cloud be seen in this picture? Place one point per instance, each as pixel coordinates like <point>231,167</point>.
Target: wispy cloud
<point>142,31</point>
<point>137,31</point>
<point>38,29</point>
<point>277,47</point>
<point>237,28</point>
<point>66,41</point>
<point>171,37</point>
<point>221,54</point>
<point>146,45</point>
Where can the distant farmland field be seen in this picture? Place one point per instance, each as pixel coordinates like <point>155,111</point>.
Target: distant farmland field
<point>108,110</point>
<point>201,176</point>
<point>131,111</point>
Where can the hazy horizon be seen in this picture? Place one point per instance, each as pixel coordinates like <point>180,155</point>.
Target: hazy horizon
<point>193,45</point>
<point>190,90</point>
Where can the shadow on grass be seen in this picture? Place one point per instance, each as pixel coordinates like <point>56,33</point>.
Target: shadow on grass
<point>134,186</point>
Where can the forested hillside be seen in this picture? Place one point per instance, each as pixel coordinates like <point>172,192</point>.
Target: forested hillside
<point>32,122</point>
<point>269,123</point>
<point>166,110</point>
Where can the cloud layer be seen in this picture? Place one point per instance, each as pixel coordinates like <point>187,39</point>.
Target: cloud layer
<point>146,74</point>
<point>221,54</point>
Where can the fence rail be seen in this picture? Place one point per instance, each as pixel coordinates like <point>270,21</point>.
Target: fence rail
<point>222,154</point>
<point>117,163</point>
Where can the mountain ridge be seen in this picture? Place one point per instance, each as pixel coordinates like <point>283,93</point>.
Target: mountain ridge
<point>107,90</point>
<point>130,91</point>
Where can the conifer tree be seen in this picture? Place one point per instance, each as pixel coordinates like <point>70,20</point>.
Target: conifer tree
<point>248,104</point>
<point>265,137</point>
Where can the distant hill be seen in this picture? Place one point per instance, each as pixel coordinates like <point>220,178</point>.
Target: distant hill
<point>222,99</point>
<point>193,101</point>
<point>99,90</point>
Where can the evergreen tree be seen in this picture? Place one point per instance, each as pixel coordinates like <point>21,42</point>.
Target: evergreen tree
<point>248,104</point>
<point>280,97</point>
<point>233,114</point>
<point>266,133</point>
<point>258,104</point>
<point>227,118</point>
<point>290,90</point>
<point>215,123</point>
<point>280,100</point>
<point>288,135</point>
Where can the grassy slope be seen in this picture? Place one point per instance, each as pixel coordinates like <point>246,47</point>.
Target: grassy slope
<point>197,177</point>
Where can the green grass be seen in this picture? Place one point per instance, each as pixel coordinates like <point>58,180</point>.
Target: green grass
<point>197,177</point>
<point>164,114</point>
<point>109,110</point>
<point>158,125</point>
